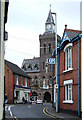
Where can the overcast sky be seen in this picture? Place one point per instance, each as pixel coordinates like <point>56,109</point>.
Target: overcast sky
<point>26,21</point>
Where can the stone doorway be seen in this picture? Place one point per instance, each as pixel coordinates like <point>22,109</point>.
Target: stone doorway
<point>34,96</point>
<point>47,97</point>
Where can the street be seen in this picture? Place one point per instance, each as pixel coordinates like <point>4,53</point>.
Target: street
<point>24,111</point>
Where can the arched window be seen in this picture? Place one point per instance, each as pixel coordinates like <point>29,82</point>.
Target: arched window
<point>44,81</point>
<point>44,48</point>
<point>49,48</point>
<point>68,56</point>
<point>50,80</point>
<point>35,80</point>
<point>43,65</point>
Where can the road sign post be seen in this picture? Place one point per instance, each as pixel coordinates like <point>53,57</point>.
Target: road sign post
<point>56,57</point>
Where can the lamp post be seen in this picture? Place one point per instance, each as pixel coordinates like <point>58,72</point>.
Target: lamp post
<point>56,60</point>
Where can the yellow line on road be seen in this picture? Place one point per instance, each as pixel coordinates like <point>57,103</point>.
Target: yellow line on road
<point>15,117</point>
<point>47,113</point>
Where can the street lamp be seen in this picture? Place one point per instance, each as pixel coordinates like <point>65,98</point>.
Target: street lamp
<point>56,60</point>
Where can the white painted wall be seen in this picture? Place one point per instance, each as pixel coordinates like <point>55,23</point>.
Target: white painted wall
<point>2,7</point>
<point>22,93</point>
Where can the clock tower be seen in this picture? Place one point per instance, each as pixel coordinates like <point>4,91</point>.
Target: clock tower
<point>49,25</point>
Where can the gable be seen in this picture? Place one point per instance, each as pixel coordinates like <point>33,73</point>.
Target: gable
<point>64,38</point>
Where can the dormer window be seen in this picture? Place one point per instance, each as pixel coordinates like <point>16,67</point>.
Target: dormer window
<point>30,66</point>
<point>36,66</point>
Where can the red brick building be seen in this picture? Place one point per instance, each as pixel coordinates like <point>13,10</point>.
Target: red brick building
<point>69,73</point>
<point>17,83</point>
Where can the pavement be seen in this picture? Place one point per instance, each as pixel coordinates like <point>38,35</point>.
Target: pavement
<point>61,115</point>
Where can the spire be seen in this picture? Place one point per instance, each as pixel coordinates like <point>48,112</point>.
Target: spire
<point>50,17</point>
<point>50,25</point>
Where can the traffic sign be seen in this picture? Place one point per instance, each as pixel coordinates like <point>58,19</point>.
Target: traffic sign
<point>51,60</point>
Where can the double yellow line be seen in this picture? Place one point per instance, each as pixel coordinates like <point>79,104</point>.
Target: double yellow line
<point>47,113</point>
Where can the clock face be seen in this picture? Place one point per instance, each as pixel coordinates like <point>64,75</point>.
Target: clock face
<point>53,27</point>
<point>48,27</point>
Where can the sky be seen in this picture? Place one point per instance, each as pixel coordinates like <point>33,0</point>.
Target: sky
<point>26,21</point>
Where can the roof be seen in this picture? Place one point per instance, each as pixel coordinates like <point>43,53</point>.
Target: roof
<point>69,35</point>
<point>50,18</point>
<point>35,58</point>
<point>15,69</point>
<point>72,33</point>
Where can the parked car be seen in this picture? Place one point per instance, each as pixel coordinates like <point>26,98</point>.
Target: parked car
<point>38,101</point>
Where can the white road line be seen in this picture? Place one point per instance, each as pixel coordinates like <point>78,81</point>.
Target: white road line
<point>9,109</point>
<point>6,108</point>
<point>29,106</point>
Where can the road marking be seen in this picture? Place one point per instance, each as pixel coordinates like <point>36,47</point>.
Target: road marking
<point>6,108</point>
<point>9,109</point>
<point>47,113</point>
<point>15,117</point>
<point>29,106</point>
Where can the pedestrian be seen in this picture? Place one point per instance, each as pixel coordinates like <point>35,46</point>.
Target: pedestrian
<point>23,100</point>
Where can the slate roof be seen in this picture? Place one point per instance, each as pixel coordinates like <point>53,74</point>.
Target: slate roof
<point>69,34</point>
<point>50,18</point>
<point>15,69</point>
<point>72,33</point>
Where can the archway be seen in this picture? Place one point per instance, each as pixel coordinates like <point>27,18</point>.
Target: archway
<point>47,97</point>
<point>34,96</point>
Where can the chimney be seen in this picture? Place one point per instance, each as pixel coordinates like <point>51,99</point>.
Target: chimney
<point>65,26</point>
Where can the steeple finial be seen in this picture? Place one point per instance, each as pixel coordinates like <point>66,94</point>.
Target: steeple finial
<point>50,6</point>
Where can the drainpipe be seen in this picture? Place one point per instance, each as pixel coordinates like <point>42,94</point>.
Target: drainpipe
<point>79,92</point>
<point>58,76</point>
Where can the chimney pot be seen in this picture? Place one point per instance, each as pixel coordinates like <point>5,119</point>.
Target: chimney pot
<point>65,26</point>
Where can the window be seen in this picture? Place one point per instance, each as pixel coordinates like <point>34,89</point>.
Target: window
<point>68,57</point>
<point>21,80</point>
<point>44,81</point>
<point>43,65</point>
<point>44,48</point>
<point>49,48</point>
<point>36,80</point>
<point>68,91</point>
<point>50,80</point>
<point>17,80</point>
<point>26,82</point>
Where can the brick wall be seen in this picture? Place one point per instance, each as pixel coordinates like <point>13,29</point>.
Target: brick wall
<point>9,84</point>
<point>67,76</point>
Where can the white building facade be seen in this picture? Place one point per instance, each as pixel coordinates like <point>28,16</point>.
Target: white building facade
<point>2,13</point>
